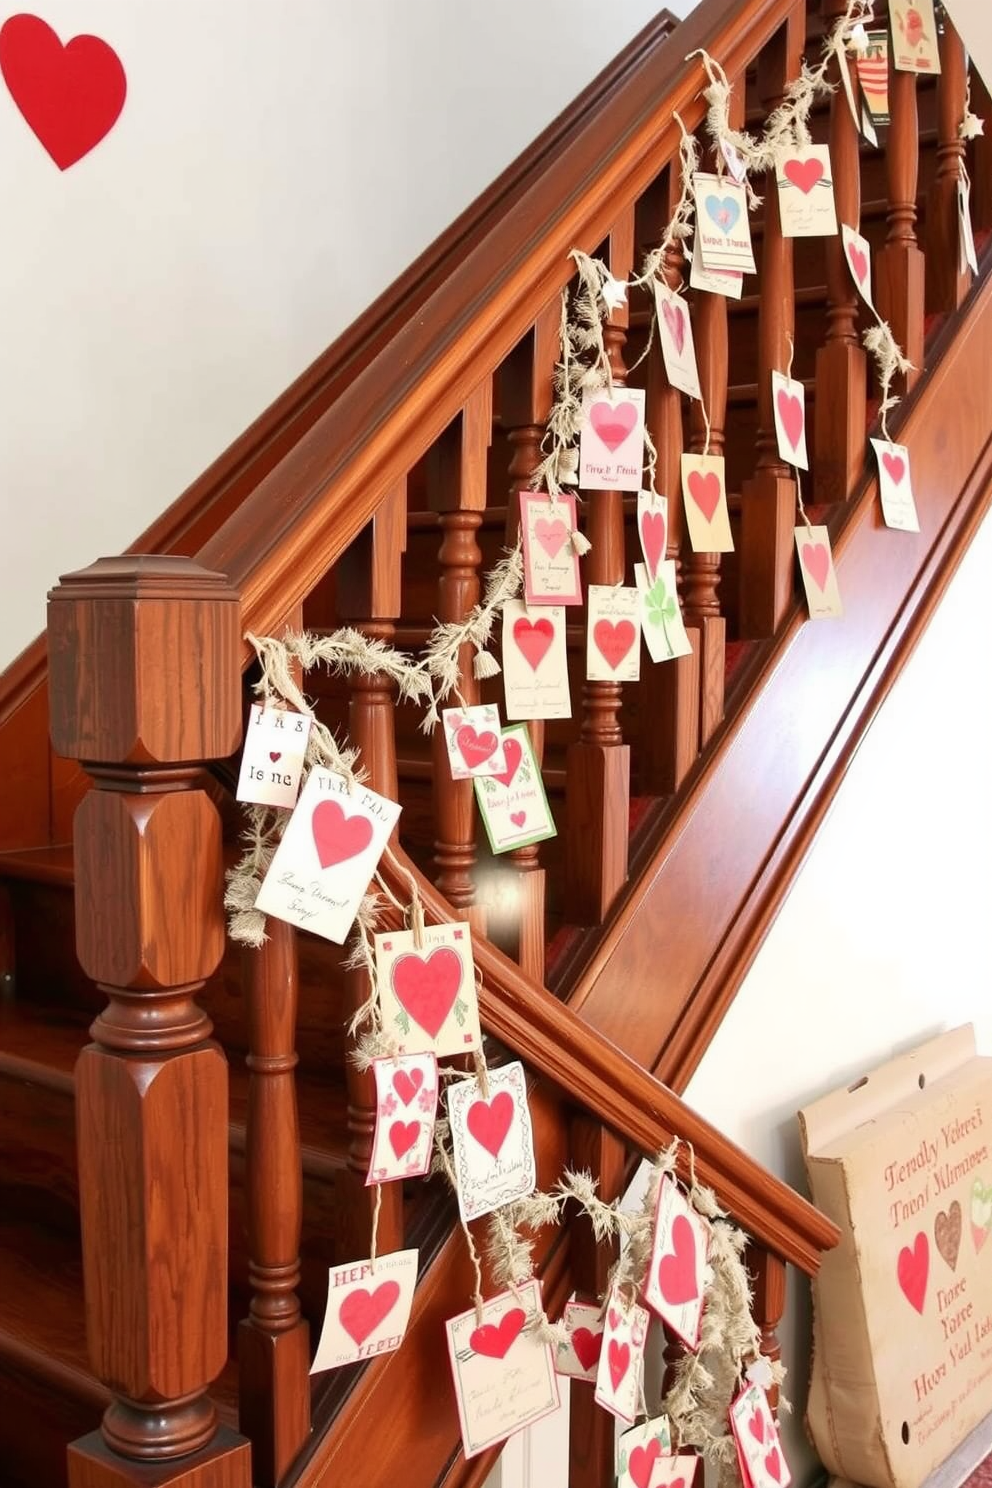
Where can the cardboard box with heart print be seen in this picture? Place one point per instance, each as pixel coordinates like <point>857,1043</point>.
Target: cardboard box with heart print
<point>901,1160</point>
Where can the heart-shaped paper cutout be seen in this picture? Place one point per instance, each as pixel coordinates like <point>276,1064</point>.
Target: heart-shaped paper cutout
<point>475,748</point>
<point>490,1121</point>
<point>793,416</point>
<point>588,1346</point>
<point>69,96</point>
<point>361,1312</point>
<point>614,1318</point>
<point>653,537</point>
<point>756,1426</point>
<point>677,1270</point>
<point>723,211</point>
<point>674,317</point>
<point>804,174</point>
<point>338,837</point>
<point>912,1270</point>
<point>858,261</point>
<point>402,1136</point>
<point>534,638</point>
<point>518,818</point>
<point>618,1362</point>
<point>704,488</point>
<point>641,1462</point>
<point>426,986</point>
<point>613,640</point>
<point>513,752</point>
<point>947,1233</point>
<point>816,562</point>
<point>406,1083</point>
<point>773,1464</point>
<point>495,1339</point>
<point>551,534</point>
<point>895,465</point>
<point>613,424</point>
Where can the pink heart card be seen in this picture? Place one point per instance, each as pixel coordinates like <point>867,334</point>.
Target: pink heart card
<point>611,442</point>
<point>789,408</point>
<point>514,806</point>
<point>613,634</point>
<point>816,567</point>
<point>492,1141</point>
<point>674,1288</point>
<point>405,1108</point>
<point>501,1367</point>
<point>895,486</point>
<point>759,1449</point>
<point>642,1453</point>
<point>535,662</point>
<point>428,999</point>
<point>675,336</point>
<point>704,499</point>
<point>662,625</point>
<point>857,253</point>
<point>368,1309</point>
<point>806,192</point>
<point>726,282</point>
<point>578,1354</point>
<point>473,736</point>
<point>273,756</point>
<point>722,224</point>
<point>551,564</point>
<point>329,851</point>
<point>618,1377</point>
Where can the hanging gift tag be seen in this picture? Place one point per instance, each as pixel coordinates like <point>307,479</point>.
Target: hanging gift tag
<point>473,739</point>
<point>858,254</point>
<point>652,528</point>
<point>758,1445</point>
<point>675,335</point>
<point>272,761</point>
<point>895,487</point>
<point>367,1309</point>
<point>661,618</point>
<point>641,1452</point>
<point>578,1355</point>
<point>806,193</point>
<point>492,1141</point>
<point>816,565</point>
<point>427,994</point>
<point>329,852</point>
<point>674,1285</point>
<point>551,564</point>
<point>535,662</point>
<point>618,1378</point>
<point>704,498</point>
<point>722,224</point>
<point>726,282</point>
<point>969,258</point>
<point>611,443</point>
<point>503,1372</point>
<point>789,405</point>
<point>844,68</point>
<point>406,1104</point>
<point>914,36</point>
<point>873,75</point>
<point>613,653</point>
<point>514,806</point>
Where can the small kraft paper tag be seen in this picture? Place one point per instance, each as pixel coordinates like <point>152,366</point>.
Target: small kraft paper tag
<point>674,1286</point>
<point>704,497</point>
<point>514,806</point>
<point>427,994</point>
<point>578,1356</point>
<point>661,618</point>
<point>535,661</point>
<point>895,487</point>
<point>272,760</point>
<point>968,257</point>
<point>329,852</point>
<point>759,1450</point>
<point>613,652</point>
<point>789,404</point>
<point>503,1373</point>
<point>726,282</point>
<point>611,442</point>
<point>722,223</point>
<point>642,1453</point>
<point>367,1309</point>
<point>492,1141</point>
<point>551,564</point>
<point>675,334</point>
<point>857,251</point>
<point>873,75</point>
<point>816,564</point>
<point>406,1105</point>
<point>914,36</point>
<point>473,737</point>
<point>806,193</point>
<point>652,528</point>
<point>618,1378</point>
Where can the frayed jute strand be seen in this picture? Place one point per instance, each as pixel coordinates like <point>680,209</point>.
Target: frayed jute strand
<point>442,1164</point>
<point>889,360</point>
<point>441,660</point>
<point>680,226</point>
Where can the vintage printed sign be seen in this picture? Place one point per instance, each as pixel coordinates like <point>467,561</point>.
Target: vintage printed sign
<point>722,223</point>
<point>789,404</point>
<point>674,1285</point>
<point>613,652</point>
<point>759,1449</point>
<point>427,993</point>
<point>368,1309</point>
<point>726,282</point>
<point>535,662</point>
<point>857,251</point>
<point>611,443</point>
<point>492,1141</point>
<point>642,1453</point>
<point>514,806</point>
<point>895,486</point>
<point>914,36</point>
<point>662,625</point>
<point>806,193</point>
<point>873,74</point>
<point>503,1372</point>
<point>675,335</point>
<point>551,564</point>
<point>816,565</point>
<point>704,497</point>
<point>474,739</point>
<point>618,1378</point>
<point>578,1355</point>
<point>272,761</point>
<point>405,1108</point>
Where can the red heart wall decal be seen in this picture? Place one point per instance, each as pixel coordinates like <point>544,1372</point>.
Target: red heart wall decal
<point>361,1312</point>
<point>495,1339</point>
<point>704,488</point>
<point>534,639</point>
<point>613,641</point>
<point>489,1121</point>
<point>613,424</point>
<point>653,536</point>
<point>642,1460</point>
<point>514,754</point>
<point>793,416</point>
<point>338,837</point>
<point>406,1084</point>
<point>475,748</point>
<point>677,1271</point>
<point>426,986</point>
<point>69,96</point>
<point>912,1269</point>
<point>804,174</point>
<point>402,1135</point>
<point>816,561</point>
<point>618,1361</point>
<point>588,1346</point>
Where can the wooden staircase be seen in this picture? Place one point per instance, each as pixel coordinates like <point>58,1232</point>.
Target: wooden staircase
<point>378,491</point>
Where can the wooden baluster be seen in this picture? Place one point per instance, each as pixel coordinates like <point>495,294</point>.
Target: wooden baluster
<point>946,284</point>
<point>841,371</point>
<point>456,481</point>
<point>901,266</point>
<point>597,788</point>
<point>768,1271</point>
<point>981,156</point>
<point>144,681</point>
<point>525,402</point>
<point>769,506</point>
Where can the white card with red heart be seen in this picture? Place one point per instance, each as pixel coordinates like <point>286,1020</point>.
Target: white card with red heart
<point>328,853</point>
<point>474,739</point>
<point>857,251</point>
<point>806,193</point>
<point>492,1141</point>
<point>789,405</point>
<point>704,498</point>
<point>816,565</point>
<point>611,442</point>
<point>503,1372</point>
<point>514,806</point>
<point>674,1285</point>
<point>551,564</point>
<point>675,334</point>
<point>427,993</point>
<point>722,225</point>
<point>367,1309</point>
<point>895,486</point>
<point>535,662</point>
<point>618,1378</point>
<point>642,1452</point>
<point>726,282</point>
<point>662,625</point>
<point>405,1108</point>
<point>968,256</point>
<point>272,760</point>
<point>578,1354</point>
<point>652,528</point>
<point>758,1447</point>
<point>613,650</point>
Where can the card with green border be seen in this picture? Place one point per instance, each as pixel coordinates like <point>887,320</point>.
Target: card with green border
<point>513,805</point>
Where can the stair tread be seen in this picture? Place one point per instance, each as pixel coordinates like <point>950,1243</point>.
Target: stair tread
<point>39,864</point>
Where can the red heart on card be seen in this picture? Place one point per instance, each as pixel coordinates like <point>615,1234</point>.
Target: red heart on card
<point>475,748</point>
<point>426,986</point>
<point>361,1312</point>
<point>816,561</point>
<point>773,1464</point>
<point>613,424</point>
<point>704,488</point>
<point>489,1121</point>
<point>613,641</point>
<point>338,837</point>
<point>518,818</point>
<point>588,1346</point>
<point>858,261</point>
<point>514,754</point>
<point>402,1136</point>
<point>675,321</point>
<point>912,1269</point>
<point>895,465</point>
<point>804,174</point>
<point>614,1318</point>
<point>618,1362</point>
<point>406,1084</point>
<point>653,536</point>
<point>792,414</point>
<point>677,1271</point>
<point>756,1426</point>
<point>275,754</point>
<point>495,1339</point>
<point>69,96</point>
<point>534,639</point>
<point>552,535</point>
<point>642,1460</point>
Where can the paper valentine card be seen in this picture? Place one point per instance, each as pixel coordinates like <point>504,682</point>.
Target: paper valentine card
<point>652,528</point>
<point>704,497</point>
<point>618,1378</point>
<point>661,618</point>
<point>535,663</point>
<point>726,282</point>
<point>492,1141</point>
<point>427,993</point>
<point>405,1107</point>
<point>675,334</point>
<point>367,1309</point>
<point>328,853</point>
<point>503,1373</point>
<point>873,75</point>
<point>611,443</point>
<point>789,406</point>
<point>722,224</point>
<point>674,1285</point>
<point>641,1452</point>
<point>514,806</point>
<point>806,193</point>
<point>613,652</point>
<point>816,565</point>
<point>473,739</point>
<point>272,761</point>
<point>758,1445</point>
<point>551,564</point>
<point>578,1355</point>
<point>968,257</point>
<point>914,36</point>
<point>895,487</point>
<point>857,251</point>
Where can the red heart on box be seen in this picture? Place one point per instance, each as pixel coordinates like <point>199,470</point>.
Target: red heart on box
<point>912,1269</point>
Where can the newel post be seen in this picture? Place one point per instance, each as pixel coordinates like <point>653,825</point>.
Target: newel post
<point>144,669</point>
